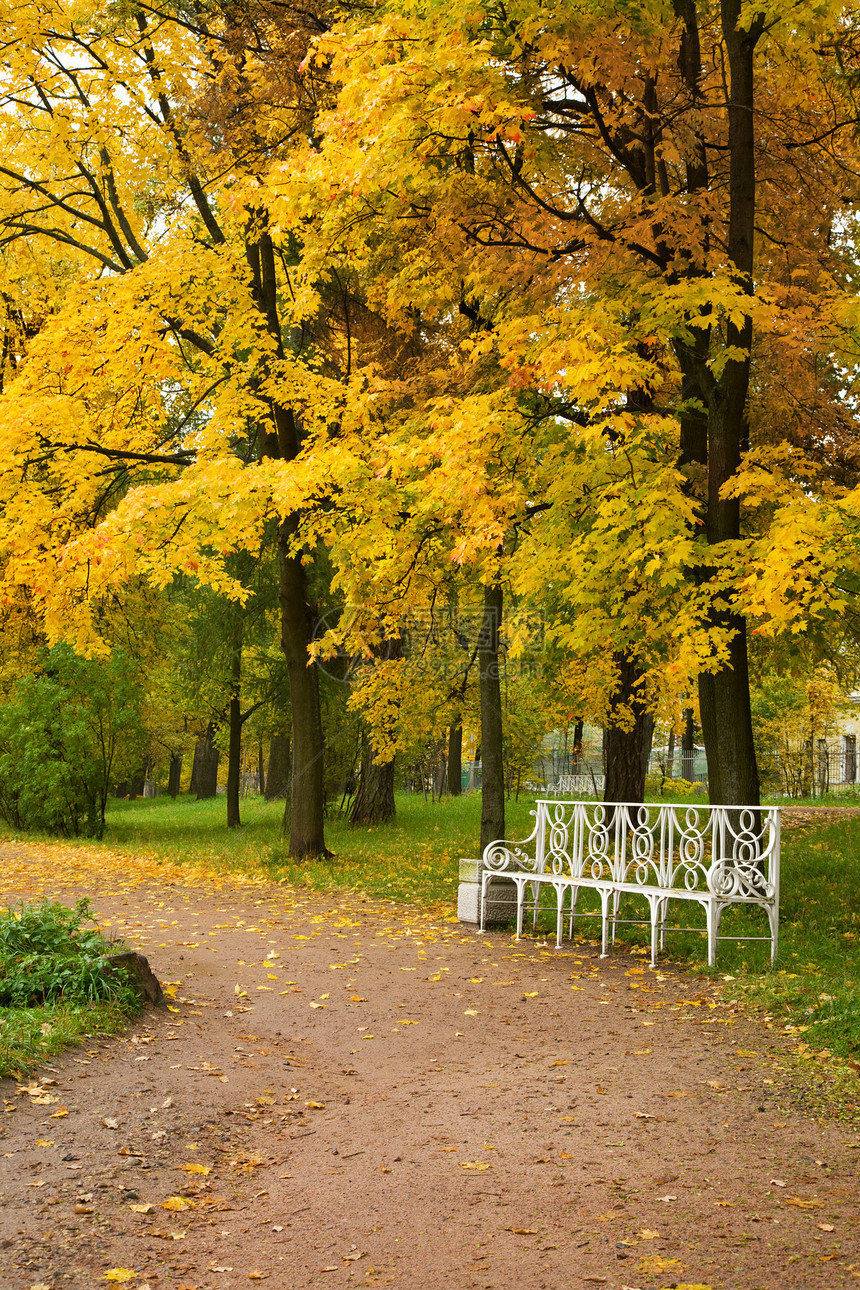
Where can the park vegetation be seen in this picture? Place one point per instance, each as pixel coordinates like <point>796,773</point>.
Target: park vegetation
<point>382,382</point>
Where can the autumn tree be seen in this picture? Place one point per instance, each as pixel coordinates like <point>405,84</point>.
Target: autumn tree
<point>620,209</point>
<point>133,141</point>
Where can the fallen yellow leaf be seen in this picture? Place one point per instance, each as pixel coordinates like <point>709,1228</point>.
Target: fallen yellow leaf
<point>474,1164</point>
<point>194,1168</point>
<point>653,1263</point>
<point>120,1275</point>
<point>177,1202</point>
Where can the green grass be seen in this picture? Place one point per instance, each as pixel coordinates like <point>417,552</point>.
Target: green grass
<point>815,987</point>
<point>412,858</point>
<point>30,1036</point>
<point>54,989</point>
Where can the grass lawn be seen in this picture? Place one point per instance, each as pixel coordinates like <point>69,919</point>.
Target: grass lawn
<point>815,987</point>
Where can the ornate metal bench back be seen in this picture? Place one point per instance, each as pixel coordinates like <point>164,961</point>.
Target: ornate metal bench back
<point>717,849</point>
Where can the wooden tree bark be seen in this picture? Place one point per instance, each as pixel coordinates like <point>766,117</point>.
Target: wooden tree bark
<point>492,758</point>
<point>304,813</point>
<point>724,696</point>
<point>455,759</point>
<point>278,775</point>
<point>625,748</point>
<point>234,753</point>
<point>303,817</point>
<point>174,774</point>
<point>374,797</point>
<point>204,774</point>
<point>578,731</point>
<point>716,440</point>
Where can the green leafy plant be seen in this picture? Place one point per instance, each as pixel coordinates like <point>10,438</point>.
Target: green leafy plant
<point>65,733</point>
<point>55,983</point>
<point>46,954</point>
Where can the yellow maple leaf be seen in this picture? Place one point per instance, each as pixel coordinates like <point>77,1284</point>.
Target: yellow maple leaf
<point>194,1168</point>
<point>120,1275</point>
<point>177,1202</point>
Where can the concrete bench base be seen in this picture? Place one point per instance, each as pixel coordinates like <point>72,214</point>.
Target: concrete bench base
<point>500,899</point>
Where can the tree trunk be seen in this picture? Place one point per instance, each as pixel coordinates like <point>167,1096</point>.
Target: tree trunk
<point>196,766</point>
<point>174,774</point>
<point>261,774</point>
<point>716,440</point>
<point>455,758</point>
<point>492,759</point>
<point>205,769</point>
<point>647,742</point>
<point>374,798</point>
<point>303,817</point>
<point>625,748</point>
<point>688,747</point>
<point>234,753</point>
<point>278,776</point>
<point>578,730</point>
<point>724,696</point>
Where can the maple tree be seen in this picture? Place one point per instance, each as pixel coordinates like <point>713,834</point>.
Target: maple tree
<point>619,206</point>
<point>164,371</point>
<point>503,312</point>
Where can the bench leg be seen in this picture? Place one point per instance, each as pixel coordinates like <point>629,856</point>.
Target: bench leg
<point>712,913</point>
<point>604,921</point>
<point>656,903</point>
<point>773,919</point>
<point>574,897</point>
<point>484,881</point>
<point>616,903</point>
<point>559,914</point>
<point>536,890</point>
<point>521,889</point>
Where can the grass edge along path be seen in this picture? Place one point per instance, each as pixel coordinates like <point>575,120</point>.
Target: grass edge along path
<point>55,986</point>
<point>813,996</point>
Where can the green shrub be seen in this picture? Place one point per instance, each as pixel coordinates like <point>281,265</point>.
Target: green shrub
<point>47,955</point>
<point>65,733</point>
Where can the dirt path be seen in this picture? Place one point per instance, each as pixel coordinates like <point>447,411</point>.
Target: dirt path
<point>350,1094</point>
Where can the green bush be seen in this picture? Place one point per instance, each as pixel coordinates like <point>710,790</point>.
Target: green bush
<point>65,733</point>
<point>47,955</point>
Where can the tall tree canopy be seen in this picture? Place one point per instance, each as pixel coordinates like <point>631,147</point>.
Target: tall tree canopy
<point>560,301</point>
<point>633,230</point>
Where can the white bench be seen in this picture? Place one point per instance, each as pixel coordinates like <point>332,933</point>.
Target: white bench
<point>716,856</point>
